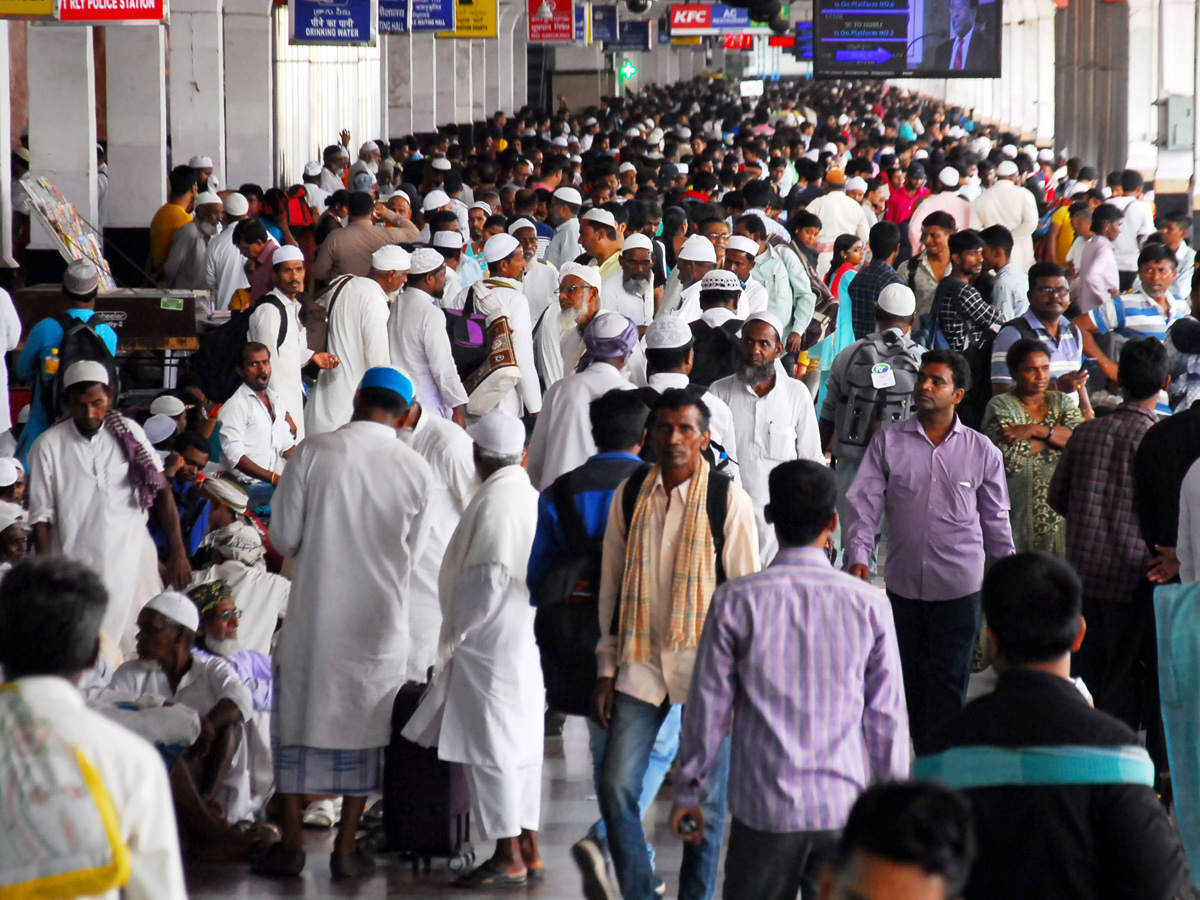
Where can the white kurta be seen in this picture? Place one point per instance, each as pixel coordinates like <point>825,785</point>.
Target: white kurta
<point>615,298</point>
<point>358,336</point>
<point>184,267</point>
<point>839,215</point>
<point>249,429</point>
<point>10,336</point>
<point>562,438</point>
<point>564,246</point>
<point>754,299</point>
<point>671,295</point>
<point>1007,204</point>
<point>351,509</point>
<point>540,285</point>
<point>485,707</point>
<point>775,428</point>
<point>547,349</point>
<point>420,348</point>
<point>81,487</point>
<point>261,597</point>
<point>288,358</point>
<point>450,454</point>
<point>225,268</point>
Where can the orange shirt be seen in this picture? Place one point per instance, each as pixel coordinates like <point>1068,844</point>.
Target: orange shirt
<point>162,228</point>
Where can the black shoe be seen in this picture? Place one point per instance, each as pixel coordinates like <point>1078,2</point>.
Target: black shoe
<point>554,723</point>
<point>351,865</point>
<point>594,869</point>
<point>278,861</point>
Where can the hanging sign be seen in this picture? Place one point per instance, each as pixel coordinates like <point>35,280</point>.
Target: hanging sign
<point>393,16</point>
<point>333,22</point>
<point>551,20</point>
<point>112,12</point>
<point>26,9</point>
<point>473,20</point>
<point>604,23</point>
<point>583,24</point>
<point>632,37</point>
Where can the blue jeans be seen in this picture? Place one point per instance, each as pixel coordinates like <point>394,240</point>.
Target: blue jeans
<point>631,737</point>
<point>666,745</point>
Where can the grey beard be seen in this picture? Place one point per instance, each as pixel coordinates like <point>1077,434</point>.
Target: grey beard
<point>208,228</point>
<point>222,648</point>
<point>755,374</point>
<point>568,321</point>
<point>637,286</point>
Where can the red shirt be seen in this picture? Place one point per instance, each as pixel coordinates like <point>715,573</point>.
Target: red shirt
<point>901,203</point>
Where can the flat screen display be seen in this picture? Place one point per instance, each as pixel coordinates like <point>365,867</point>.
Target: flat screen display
<point>907,38</point>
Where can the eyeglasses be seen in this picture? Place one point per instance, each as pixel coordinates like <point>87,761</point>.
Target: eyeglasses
<point>1052,291</point>
<point>572,288</point>
<point>230,615</point>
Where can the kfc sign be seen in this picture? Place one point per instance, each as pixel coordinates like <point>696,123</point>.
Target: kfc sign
<point>689,18</point>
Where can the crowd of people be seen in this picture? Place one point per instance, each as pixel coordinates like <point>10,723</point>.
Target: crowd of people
<point>629,413</point>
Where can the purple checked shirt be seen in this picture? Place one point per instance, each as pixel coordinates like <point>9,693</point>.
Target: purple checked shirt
<point>801,660</point>
<point>947,510</point>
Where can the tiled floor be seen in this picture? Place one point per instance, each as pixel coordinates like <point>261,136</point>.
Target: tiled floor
<point>568,808</point>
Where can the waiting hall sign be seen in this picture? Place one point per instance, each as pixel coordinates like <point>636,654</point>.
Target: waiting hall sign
<point>113,12</point>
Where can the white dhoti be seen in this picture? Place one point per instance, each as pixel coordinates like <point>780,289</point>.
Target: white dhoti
<point>504,801</point>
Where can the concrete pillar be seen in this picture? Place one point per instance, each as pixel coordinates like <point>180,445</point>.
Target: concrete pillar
<point>6,259</point>
<point>444,60</point>
<point>491,81</point>
<point>520,64</point>
<point>197,86</point>
<point>479,76</point>
<point>504,43</point>
<point>249,108</point>
<point>137,125</point>
<point>463,91</point>
<point>423,48</point>
<point>62,116</point>
<point>399,100</point>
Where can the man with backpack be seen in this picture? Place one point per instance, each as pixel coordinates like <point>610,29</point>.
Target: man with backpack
<point>715,330</point>
<point>48,350</point>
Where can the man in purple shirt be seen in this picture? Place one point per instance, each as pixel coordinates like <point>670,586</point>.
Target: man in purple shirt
<point>943,489</point>
<point>801,661</point>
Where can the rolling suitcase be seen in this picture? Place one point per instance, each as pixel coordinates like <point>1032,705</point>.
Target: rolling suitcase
<point>426,801</point>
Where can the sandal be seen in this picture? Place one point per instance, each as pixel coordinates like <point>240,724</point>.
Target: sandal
<point>489,875</point>
<point>536,873</point>
<point>321,814</point>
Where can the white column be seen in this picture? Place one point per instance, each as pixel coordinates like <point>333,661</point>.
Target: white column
<point>479,75</point>
<point>462,80</point>
<point>422,89</point>
<point>137,124</point>
<point>62,115</point>
<point>397,50</point>
<point>520,67</point>
<point>444,60</point>
<point>505,43</point>
<point>491,81</point>
<point>197,90</point>
<point>249,108</point>
<point>6,259</point>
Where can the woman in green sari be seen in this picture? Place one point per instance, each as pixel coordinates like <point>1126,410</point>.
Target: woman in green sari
<point>1031,425</point>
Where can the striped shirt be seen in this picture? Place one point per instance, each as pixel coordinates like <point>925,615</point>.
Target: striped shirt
<point>1134,315</point>
<point>801,660</point>
<point>1066,354</point>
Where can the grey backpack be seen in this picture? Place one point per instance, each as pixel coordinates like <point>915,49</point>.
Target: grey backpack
<point>869,408</point>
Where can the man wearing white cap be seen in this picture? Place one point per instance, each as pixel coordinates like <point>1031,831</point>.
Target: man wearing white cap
<point>269,320</point>
<point>487,635</point>
<point>601,238</point>
<point>184,268</point>
<point>630,291</point>
<point>92,479</point>
<point>500,295</point>
<point>944,199</point>
<point>696,258</point>
<point>434,201</point>
<point>562,214</point>
<point>357,316</point>
<point>419,342</point>
<point>1007,203</point>
<point>312,186</point>
<point>357,496</point>
<point>224,265</point>
<point>558,341</point>
<point>204,171</point>
<point>773,416</point>
<point>740,255</point>
<point>540,281</point>
<point>562,438</point>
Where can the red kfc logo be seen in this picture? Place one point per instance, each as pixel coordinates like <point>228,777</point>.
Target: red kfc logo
<point>691,16</point>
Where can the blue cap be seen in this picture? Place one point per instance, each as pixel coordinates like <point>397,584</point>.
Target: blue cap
<point>389,379</point>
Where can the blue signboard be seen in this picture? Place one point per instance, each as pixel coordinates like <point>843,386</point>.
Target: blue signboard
<point>396,16</point>
<point>804,40</point>
<point>333,21</point>
<point>581,23</point>
<point>632,37</point>
<point>604,23</point>
<point>393,16</point>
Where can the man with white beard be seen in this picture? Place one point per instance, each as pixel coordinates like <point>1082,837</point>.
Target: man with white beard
<point>562,439</point>
<point>224,265</point>
<point>630,291</point>
<point>540,281</point>
<point>184,268</point>
<point>558,343</point>
<point>697,257</point>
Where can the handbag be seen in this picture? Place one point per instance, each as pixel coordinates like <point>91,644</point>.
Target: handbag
<point>497,374</point>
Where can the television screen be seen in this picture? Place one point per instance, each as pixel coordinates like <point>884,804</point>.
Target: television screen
<point>907,38</point>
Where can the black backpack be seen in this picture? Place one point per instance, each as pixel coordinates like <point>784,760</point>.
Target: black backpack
<point>714,351</point>
<point>80,342</point>
<point>468,334</point>
<point>220,352</point>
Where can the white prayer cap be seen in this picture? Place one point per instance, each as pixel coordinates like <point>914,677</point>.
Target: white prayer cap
<point>683,132</point>
<point>451,240</point>
<point>498,432</point>
<point>225,489</point>
<point>588,274</point>
<point>1006,169</point>
<point>627,167</point>
<point>1009,150</point>
<point>200,162</point>
<point>843,119</point>
<point>632,132</point>
<point>237,541</point>
<point>480,205</point>
<point>948,176</point>
<point>167,405</point>
<point>768,317</point>
<point>559,141</point>
<point>720,280</point>
<point>921,154</point>
<point>655,136</point>
<point>519,224</point>
<point>368,147</point>
<point>312,169</point>
<point>682,168</point>
<point>209,198</point>
<point>435,200</point>
<point>440,163</point>
<point>1045,155</point>
<point>602,217</point>
<point>698,248</point>
<point>287,253</point>
<point>178,608</point>
<point>898,300</point>
<point>11,514</point>
<point>856,184</point>
<point>158,428</point>
<point>668,333</point>
<point>500,246</point>
<point>829,148</point>
<point>813,155</point>
<point>9,473</point>
<point>84,371</point>
<point>82,277</point>
<point>606,325</point>
<point>568,195</point>
<point>738,242</point>
<point>236,204</point>
<point>1030,150</point>
<point>390,258</point>
<point>589,121</point>
<point>637,241</point>
<point>528,132</point>
<point>425,259</point>
<point>576,158</point>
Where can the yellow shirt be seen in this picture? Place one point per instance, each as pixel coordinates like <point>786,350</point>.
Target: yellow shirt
<point>162,228</point>
<point>1066,234</point>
